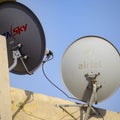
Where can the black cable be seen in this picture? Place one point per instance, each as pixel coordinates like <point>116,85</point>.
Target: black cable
<point>23,104</point>
<point>29,95</point>
<point>31,115</point>
<point>54,83</point>
<point>48,59</point>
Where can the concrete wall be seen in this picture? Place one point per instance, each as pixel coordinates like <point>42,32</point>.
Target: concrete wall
<point>31,106</point>
<point>5,103</point>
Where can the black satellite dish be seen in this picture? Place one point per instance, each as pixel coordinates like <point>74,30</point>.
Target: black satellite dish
<point>25,37</point>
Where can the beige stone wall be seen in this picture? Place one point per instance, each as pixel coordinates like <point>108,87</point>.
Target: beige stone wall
<point>31,106</point>
<point>5,104</point>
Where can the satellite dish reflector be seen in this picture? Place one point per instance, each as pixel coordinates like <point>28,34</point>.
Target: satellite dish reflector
<point>90,61</point>
<point>24,35</point>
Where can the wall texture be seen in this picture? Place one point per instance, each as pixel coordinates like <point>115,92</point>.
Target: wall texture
<point>27,105</point>
<point>5,104</point>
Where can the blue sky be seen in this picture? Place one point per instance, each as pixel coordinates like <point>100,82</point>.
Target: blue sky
<point>63,22</point>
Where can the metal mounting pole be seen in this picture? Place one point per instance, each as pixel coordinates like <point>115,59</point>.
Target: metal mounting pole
<point>17,55</point>
<point>93,99</point>
<point>92,78</point>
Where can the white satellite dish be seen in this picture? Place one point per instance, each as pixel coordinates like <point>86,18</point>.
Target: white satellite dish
<point>91,69</point>
<point>91,55</point>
